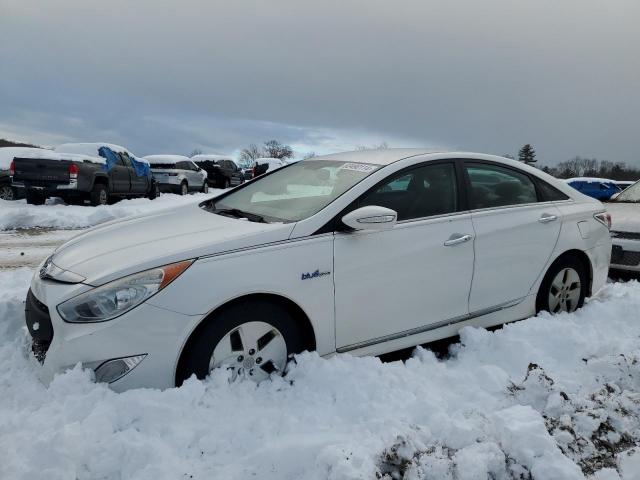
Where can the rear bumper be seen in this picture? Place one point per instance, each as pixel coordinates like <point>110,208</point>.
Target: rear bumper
<point>625,255</point>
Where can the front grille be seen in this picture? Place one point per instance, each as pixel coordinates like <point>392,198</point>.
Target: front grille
<point>625,235</point>
<point>39,324</point>
<point>624,257</point>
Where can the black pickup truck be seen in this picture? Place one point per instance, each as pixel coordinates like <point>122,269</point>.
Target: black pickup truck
<point>78,173</point>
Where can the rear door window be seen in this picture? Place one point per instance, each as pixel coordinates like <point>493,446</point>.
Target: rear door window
<point>495,186</point>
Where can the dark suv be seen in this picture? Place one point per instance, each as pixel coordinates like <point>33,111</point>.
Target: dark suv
<point>223,172</point>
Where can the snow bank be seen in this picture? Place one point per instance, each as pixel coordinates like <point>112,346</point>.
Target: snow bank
<point>547,398</point>
<point>18,214</point>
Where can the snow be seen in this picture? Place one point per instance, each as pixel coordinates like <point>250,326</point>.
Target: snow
<point>7,154</point>
<point>590,180</point>
<point>165,159</point>
<point>18,214</point>
<point>90,149</point>
<point>546,398</point>
<point>625,217</point>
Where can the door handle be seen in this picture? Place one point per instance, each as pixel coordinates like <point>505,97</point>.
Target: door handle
<point>456,239</point>
<point>546,218</point>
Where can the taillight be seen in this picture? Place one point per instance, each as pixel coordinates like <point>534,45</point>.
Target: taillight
<point>73,171</point>
<point>12,168</point>
<point>604,218</point>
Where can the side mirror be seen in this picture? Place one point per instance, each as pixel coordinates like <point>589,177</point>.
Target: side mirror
<point>371,217</point>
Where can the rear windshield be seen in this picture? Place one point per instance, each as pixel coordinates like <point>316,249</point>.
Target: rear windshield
<point>294,192</point>
<point>163,166</point>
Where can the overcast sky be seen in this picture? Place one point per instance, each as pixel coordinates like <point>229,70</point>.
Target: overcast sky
<point>329,75</point>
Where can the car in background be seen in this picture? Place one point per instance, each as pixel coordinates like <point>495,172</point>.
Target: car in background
<point>223,172</point>
<point>625,229</point>
<point>264,165</point>
<point>178,174</point>
<point>363,252</point>
<point>599,188</point>
<point>83,172</point>
<point>7,154</point>
<point>246,167</point>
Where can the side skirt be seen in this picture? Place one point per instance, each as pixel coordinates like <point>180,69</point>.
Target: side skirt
<point>520,310</point>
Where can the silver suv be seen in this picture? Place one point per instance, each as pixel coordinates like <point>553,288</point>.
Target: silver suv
<point>178,174</point>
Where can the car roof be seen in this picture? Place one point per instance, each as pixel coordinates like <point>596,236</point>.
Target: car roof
<point>164,159</point>
<point>210,156</point>
<point>388,156</point>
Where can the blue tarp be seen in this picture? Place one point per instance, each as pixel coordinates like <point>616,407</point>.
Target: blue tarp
<point>141,168</point>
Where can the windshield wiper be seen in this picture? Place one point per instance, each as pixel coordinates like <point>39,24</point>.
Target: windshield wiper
<point>237,213</point>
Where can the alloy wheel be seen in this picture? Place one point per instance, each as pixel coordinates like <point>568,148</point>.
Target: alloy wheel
<point>252,350</point>
<point>565,290</point>
<point>6,193</point>
<point>184,189</point>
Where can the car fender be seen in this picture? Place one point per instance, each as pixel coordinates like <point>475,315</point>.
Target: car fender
<point>299,270</point>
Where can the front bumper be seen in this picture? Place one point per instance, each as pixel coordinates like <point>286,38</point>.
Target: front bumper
<point>147,330</point>
<point>625,254</point>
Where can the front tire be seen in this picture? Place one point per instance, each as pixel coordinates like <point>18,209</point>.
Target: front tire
<point>564,287</point>
<point>252,340</point>
<point>205,187</point>
<point>99,195</point>
<point>184,188</point>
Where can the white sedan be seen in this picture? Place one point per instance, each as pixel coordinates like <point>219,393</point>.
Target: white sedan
<point>364,252</point>
<point>625,229</point>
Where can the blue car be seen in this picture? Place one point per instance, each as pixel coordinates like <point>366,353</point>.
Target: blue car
<point>599,188</point>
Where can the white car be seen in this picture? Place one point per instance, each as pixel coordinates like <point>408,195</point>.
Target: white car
<point>364,252</point>
<point>625,229</point>
<point>178,174</point>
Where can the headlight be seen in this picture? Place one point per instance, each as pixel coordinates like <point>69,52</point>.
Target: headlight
<point>115,298</point>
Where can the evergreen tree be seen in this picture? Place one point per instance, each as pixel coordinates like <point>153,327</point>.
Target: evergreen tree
<point>527,154</point>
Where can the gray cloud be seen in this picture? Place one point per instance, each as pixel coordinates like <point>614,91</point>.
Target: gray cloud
<point>172,76</point>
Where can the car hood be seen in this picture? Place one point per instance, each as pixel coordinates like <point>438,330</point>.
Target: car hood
<point>122,247</point>
<point>625,217</point>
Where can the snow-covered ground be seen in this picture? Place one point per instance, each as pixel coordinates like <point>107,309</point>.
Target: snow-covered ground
<point>546,398</point>
<point>56,214</point>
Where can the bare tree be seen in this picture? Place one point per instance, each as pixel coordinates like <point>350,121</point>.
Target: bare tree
<point>196,151</point>
<point>309,155</point>
<point>275,149</point>
<point>251,153</point>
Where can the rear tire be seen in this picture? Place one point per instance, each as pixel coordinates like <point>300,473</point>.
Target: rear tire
<point>7,193</point>
<point>197,357</point>
<point>227,183</point>
<point>35,198</point>
<point>564,287</point>
<point>99,195</point>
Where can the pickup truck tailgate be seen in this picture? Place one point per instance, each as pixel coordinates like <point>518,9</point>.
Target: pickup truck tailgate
<point>37,171</point>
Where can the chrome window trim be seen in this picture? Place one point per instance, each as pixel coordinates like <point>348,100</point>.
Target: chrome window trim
<point>427,328</point>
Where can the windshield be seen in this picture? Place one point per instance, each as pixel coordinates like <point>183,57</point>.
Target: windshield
<point>630,194</point>
<point>293,193</point>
